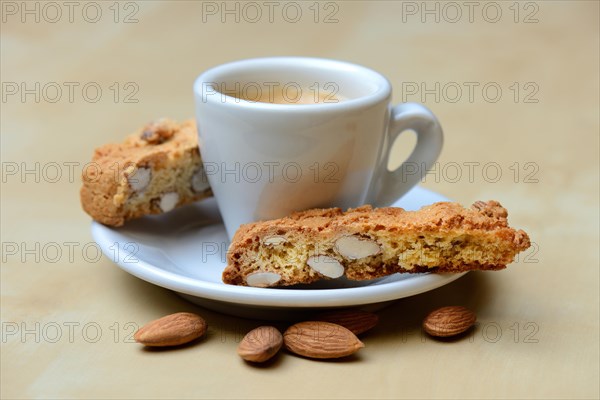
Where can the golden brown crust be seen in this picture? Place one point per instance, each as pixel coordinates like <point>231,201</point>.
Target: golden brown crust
<point>163,153</point>
<point>443,237</point>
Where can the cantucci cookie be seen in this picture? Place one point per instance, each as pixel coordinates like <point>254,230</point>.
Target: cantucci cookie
<point>366,243</point>
<point>153,171</point>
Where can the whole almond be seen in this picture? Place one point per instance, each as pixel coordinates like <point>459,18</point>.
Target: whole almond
<point>171,330</point>
<point>260,344</point>
<point>356,321</point>
<point>319,339</point>
<point>449,321</point>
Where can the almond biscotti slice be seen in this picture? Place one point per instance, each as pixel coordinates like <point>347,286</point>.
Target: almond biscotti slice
<point>366,243</point>
<point>153,171</point>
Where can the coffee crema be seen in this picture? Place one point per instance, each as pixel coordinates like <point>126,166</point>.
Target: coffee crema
<point>287,95</point>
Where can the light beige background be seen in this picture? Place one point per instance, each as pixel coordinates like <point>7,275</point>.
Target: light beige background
<point>538,320</point>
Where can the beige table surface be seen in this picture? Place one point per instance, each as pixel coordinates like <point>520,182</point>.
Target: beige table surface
<point>67,322</point>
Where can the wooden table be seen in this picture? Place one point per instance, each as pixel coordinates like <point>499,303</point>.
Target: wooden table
<point>516,88</point>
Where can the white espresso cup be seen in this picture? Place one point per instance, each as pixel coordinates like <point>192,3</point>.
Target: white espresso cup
<point>285,134</point>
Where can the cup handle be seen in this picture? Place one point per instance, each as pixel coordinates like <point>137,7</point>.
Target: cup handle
<point>390,185</point>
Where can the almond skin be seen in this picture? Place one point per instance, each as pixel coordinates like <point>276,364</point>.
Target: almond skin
<point>449,321</point>
<point>171,330</point>
<point>356,321</point>
<point>319,339</point>
<point>260,344</point>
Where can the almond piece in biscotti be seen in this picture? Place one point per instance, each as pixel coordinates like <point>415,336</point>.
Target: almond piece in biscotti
<point>159,131</point>
<point>354,248</point>
<point>262,279</point>
<point>139,179</point>
<point>274,240</point>
<point>326,266</point>
<point>200,181</point>
<point>168,201</point>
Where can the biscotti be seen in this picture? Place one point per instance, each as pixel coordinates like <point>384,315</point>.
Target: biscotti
<point>153,171</point>
<point>366,243</point>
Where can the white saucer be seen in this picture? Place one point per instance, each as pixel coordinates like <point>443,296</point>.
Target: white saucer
<point>185,249</point>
